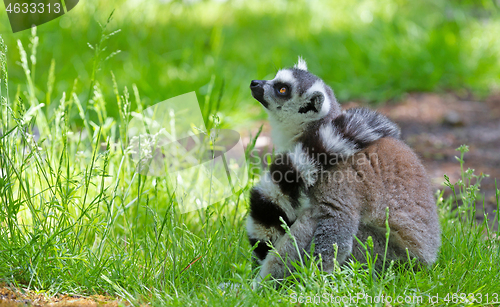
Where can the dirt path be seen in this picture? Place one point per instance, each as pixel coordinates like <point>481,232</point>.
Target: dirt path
<point>435,125</point>
<point>11,297</point>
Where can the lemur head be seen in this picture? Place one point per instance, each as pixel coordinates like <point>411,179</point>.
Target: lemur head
<point>294,99</point>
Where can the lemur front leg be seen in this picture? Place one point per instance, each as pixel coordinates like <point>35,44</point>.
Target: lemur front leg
<point>338,227</point>
<point>320,225</point>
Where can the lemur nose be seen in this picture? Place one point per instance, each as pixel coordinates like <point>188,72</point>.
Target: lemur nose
<point>255,83</point>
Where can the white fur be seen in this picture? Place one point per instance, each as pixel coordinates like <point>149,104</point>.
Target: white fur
<point>368,135</point>
<point>286,126</point>
<point>262,233</point>
<point>357,123</point>
<point>307,167</point>
<point>285,76</point>
<point>319,86</point>
<point>334,141</point>
<point>325,108</point>
<point>301,64</point>
<point>272,191</point>
<point>305,203</point>
<point>285,132</point>
<point>258,231</point>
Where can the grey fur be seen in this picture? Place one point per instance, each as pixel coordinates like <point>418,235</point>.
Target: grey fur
<point>306,80</point>
<point>386,174</point>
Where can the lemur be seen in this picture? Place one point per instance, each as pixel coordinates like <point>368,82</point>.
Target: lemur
<point>334,176</point>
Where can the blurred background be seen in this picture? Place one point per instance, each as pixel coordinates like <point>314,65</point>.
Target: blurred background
<point>432,66</point>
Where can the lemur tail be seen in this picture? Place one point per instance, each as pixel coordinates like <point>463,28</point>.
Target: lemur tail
<point>347,134</point>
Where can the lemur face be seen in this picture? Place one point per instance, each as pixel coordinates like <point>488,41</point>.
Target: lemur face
<point>294,94</point>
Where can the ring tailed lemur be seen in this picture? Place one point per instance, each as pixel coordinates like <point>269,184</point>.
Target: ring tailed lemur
<point>335,175</point>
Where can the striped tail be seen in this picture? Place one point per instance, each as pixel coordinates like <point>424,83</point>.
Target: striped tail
<point>280,193</point>
<point>352,131</point>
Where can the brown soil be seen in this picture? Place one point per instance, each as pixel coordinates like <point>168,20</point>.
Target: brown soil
<point>11,297</point>
<point>435,125</point>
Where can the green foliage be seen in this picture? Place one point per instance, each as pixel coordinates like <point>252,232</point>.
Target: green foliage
<point>366,50</point>
<point>75,217</point>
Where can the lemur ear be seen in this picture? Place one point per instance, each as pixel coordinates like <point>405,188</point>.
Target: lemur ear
<point>315,103</point>
<point>317,100</point>
<point>301,64</point>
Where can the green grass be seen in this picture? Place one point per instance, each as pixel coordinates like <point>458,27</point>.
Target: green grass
<point>367,50</point>
<point>75,217</point>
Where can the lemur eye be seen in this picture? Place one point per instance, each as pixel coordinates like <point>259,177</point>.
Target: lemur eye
<point>282,89</point>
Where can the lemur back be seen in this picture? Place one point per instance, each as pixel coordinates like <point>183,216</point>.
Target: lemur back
<point>386,174</point>
<point>333,179</point>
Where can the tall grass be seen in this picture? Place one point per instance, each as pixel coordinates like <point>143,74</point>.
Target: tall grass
<point>367,50</point>
<point>76,218</point>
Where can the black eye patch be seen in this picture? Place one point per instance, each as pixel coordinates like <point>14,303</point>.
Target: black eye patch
<point>308,107</point>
